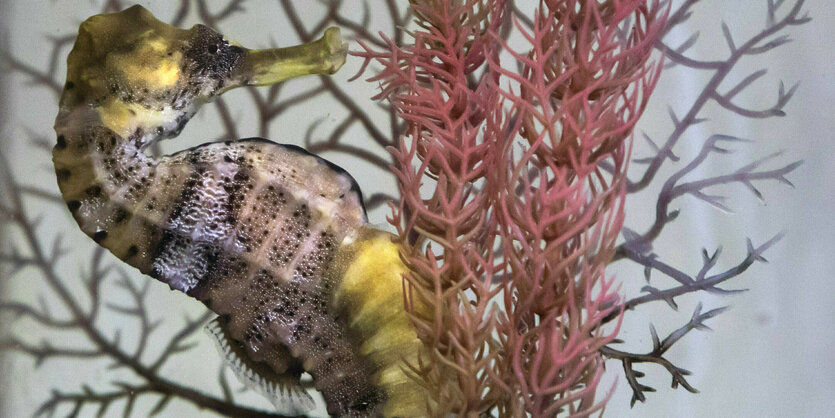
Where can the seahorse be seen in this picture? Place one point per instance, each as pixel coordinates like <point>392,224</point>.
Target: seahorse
<point>273,239</point>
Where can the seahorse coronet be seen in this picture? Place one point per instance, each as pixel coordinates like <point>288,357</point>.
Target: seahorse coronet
<point>273,239</point>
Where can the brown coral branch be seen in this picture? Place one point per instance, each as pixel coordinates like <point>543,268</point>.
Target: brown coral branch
<point>637,247</point>
<point>343,98</point>
<point>722,69</point>
<point>213,19</point>
<point>702,282</point>
<point>656,355</point>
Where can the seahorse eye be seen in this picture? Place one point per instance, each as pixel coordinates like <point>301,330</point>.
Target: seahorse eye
<point>210,58</point>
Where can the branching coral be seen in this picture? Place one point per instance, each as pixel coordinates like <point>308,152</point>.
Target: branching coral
<point>553,212</point>
<point>582,87</point>
<point>447,240</point>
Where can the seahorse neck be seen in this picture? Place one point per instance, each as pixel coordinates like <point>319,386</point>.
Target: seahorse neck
<point>131,121</point>
<point>111,152</point>
<point>103,172</point>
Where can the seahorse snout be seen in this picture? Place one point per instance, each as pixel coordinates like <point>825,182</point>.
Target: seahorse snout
<point>269,66</point>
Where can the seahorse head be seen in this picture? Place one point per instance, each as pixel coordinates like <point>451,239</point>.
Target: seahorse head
<point>142,73</point>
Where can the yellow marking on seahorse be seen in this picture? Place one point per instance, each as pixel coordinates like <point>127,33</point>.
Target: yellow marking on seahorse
<point>372,289</point>
<point>125,118</point>
<point>148,63</point>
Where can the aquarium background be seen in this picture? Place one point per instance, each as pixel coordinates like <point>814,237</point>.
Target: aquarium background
<point>770,355</point>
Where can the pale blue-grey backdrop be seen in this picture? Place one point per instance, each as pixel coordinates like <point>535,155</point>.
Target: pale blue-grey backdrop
<point>772,355</point>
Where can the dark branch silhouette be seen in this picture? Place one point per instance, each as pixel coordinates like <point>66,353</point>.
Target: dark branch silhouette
<point>637,247</point>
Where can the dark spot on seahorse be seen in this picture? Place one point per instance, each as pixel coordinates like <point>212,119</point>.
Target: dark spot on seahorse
<point>176,97</point>
<point>93,191</point>
<point>99,236</point>
<point>120,215</point>
<point>132,251</point>
<point>62,142</point>
<point>181,123</point>
<point>73,205</point>
<point>186,195</point>
<point>227,158</point>
<point>63,174</point>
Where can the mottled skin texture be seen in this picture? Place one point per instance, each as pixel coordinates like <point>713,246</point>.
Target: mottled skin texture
<point>268,236</point>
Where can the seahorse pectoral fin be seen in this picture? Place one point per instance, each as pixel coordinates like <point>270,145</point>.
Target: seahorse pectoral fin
<point>261,67</point>
<point>284,390</point>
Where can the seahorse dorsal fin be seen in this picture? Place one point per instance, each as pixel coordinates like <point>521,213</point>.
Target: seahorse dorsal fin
<point>285,391</point>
